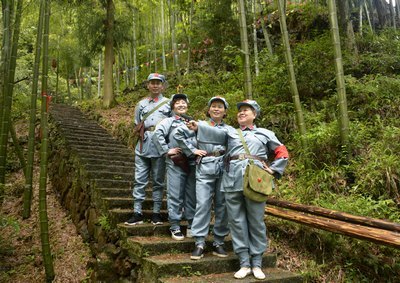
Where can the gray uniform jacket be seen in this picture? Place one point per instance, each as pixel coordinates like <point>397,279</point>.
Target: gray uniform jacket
<point>145,106</point>
<point>165,136</point>
<point>261,142</point>
<point>210,165</point>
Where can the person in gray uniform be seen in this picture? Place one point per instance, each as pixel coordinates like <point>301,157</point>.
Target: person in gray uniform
<point>181,191</point>
<point>208,182</point>
<point>246,217</point>
<point>148,112</point>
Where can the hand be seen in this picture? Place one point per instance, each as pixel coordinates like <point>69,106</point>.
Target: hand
<point>200,152</point>
<point>266,168</point>
<point>192,125</point>
<point>173,151</point>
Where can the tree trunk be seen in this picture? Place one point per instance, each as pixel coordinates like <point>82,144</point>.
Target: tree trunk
<point>171,5</point>
<point>6,101</point>
<point>248,87</point>
<point>44,226</point>
<point>189,50</point>
<point>292,77</point>
<point>341,89</point>
<point>135,65</point>
<point>108,97</point>
<point>18,148</point>
<point>255,41</point>
<point>346,25</point>
<point>99,79</point>
<point>32,117</point>
<point>265,33</point>
<point>393,13</point>
<point>164,62</point>
<point>9,89</point>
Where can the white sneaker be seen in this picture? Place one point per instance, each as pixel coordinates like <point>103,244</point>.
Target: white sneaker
<point>177,235</point>
<point>189,233</point>
<point>258,273</point>
<point>242,273</point>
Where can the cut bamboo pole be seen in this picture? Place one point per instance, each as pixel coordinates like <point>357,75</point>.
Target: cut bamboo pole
<point>376,235</point>
<point>334,214</point>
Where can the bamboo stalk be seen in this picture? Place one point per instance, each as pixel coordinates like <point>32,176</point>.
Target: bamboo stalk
<point>376,235</point>
<point>334,214</point>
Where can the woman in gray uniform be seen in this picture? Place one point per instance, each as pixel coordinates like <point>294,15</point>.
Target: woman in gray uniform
<point>208,182</point>
<point>181,194</point>
<point>246,217</point>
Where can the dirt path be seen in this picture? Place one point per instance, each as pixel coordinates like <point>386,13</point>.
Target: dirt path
<point>20,247</point>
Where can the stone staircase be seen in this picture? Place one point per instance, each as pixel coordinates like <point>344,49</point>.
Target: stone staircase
<point>93,174</point>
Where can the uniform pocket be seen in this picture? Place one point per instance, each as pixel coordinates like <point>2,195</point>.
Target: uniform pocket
<point>209,166</point>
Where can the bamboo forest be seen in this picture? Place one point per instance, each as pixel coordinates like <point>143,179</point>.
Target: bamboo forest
<point>104,176</point>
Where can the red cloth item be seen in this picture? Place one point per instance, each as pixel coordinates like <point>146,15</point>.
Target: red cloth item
<point>281,152</point>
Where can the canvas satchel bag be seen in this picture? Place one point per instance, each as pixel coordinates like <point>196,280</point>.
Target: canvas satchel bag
<point>257,183</point>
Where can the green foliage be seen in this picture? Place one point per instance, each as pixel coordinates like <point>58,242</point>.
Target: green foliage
<point>104,223</point>
<point>378,169</point>
<point>378,54</point>
<point>315,70</point>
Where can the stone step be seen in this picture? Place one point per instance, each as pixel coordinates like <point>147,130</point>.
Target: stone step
<point>148,229</point>
<point>111,175</point>
<point>109,183</point>
<point>156,245</point>
<point>104,153</point>
<point>127,202</point>
<point>77,123</point>
<point>83,124</point>
<point>124,193</point>
<point>121,215</point>
<point>90,140</point>
<point>109,168</point>
<point>90,160</point>
<point>116,147</point>
<point>173,264</point>
<point>105,158</point>
<point>89,131</point>
<point>274,275</point>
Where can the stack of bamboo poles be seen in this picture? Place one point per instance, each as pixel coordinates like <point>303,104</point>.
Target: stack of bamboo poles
<point>365,228</point>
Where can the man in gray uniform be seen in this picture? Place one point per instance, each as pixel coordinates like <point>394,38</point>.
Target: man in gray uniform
<point>149,110</point>
<point>246,217</point>
<point>208,182</point>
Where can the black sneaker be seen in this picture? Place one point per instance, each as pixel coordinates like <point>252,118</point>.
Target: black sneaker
<point>219,251</point>
<point>156,219</point>
<point>137,218</point>
<point>198,253</point>
<point>177,235</point>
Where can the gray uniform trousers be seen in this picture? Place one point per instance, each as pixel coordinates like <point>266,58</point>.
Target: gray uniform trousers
<point>181,194</point>
<point>208,188</point>
<point>246,222</point>
<point>143,165</point>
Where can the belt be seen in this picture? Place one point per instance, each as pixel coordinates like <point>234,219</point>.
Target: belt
<point>244,156</point>
<point>216,153</point>
<point>150,129</point>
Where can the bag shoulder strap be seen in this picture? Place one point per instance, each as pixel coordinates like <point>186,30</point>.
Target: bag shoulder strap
<point>154,110</point>
<point>246,148</point>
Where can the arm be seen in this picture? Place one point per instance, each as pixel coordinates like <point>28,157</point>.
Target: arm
<point>208,134</point>
<point>160,136</point>
<point>181,135</point>
<point>280,153</point>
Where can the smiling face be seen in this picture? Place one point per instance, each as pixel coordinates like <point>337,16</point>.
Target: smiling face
<point>180,106</point>
<point>217,111</point>
<point>246,116</point>
<point>156,87</point>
